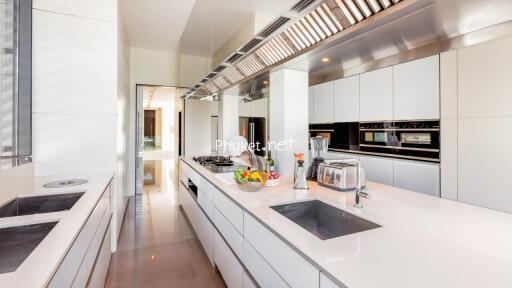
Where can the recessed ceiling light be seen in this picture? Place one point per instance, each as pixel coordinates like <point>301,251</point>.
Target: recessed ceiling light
<point>325,59</point>
<point>265,82</point>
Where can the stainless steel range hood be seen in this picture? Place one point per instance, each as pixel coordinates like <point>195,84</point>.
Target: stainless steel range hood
<point>306,25</point>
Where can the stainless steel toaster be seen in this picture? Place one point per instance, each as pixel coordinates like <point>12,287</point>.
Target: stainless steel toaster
<point>339,175</point>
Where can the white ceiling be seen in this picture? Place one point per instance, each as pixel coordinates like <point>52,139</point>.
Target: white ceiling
<point>198,24</point>
<point>155,97</point>
<point>156,24</point>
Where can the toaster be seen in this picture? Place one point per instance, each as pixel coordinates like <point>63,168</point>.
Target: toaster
<point>339,175</point>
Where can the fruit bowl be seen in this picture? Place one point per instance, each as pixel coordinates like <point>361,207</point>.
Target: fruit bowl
<point>250,181</point>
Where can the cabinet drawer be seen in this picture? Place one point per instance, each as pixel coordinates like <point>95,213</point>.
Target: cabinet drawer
<point>291,266</point>
<point>231,270</point>
<point>260,270</point>
<point>230,234</point>
<point>208,189</point>
<point>205,203</point>
<point>230,210</point>
<point>70,266</point>
<point>328,283</point>
<point>248,283</point>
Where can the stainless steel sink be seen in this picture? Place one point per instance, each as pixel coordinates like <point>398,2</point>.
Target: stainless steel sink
<point>16,243</point>
<point>324,220</point>
<point>39,204</point>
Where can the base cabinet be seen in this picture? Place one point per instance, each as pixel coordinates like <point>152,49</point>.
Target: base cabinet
<point>228,265</point>
<point>260,269</point>
<point>86,255</point>
<point>378,170</point>
<point>328,283</point>
<point>418,177</point>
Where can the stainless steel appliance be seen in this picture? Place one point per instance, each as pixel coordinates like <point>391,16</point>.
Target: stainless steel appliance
<point>254,129</point>
<point>418,140</point>
<point>318,146</point>
<point>339,175</point>
<point>218,164</point>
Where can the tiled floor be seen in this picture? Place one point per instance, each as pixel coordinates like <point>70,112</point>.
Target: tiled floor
<point>157,246</point>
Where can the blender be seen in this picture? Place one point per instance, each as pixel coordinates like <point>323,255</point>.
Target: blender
<point>319,146</point>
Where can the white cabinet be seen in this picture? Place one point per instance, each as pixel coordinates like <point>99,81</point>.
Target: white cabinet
<point>233,213</point>
<point>326,282</point>
<point>256,108</point>
<point>248,282</point>
<point>244,109</point>
<point>290,265</point>
<point>311,105</point>
<point>259,108</point>
<point>418,177</point>
<point>230,234</point>
<point>228,265</point>
<point>77,265</point>
<point>324,102</point>
<point>376,95</point>
<point>377,169</point>
<point>260,269</point>
<point>346,99</point>
<point>416,89</point>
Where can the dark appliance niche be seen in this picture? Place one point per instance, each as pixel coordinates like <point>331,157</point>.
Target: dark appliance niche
<point>345,136</point>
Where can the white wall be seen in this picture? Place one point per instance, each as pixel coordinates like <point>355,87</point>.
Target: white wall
<point>288,116</point>
<point>74,86</point>
<point>197,127</point>
<point>123,117</point>
<point>193,69</point>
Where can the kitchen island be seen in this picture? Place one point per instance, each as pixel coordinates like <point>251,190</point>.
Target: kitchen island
<point>424,241</point>
<point>76,252</point>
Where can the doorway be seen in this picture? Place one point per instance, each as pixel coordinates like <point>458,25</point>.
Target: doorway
<point>157,137</point>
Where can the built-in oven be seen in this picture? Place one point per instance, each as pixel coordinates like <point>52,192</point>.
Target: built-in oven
<point>402,139</point>
<point>321,130</point>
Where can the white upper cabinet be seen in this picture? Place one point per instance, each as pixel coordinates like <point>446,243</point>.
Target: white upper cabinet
<point>416,89</point>
<point>259,108</point>
<point>256,108</point>
<point>244,109</point>
<point>324,103</point>
<point>346,99</point>
<point>376,95</point>
<point>311,105</point>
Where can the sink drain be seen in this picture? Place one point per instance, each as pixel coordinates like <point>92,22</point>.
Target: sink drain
<point>65,183</point>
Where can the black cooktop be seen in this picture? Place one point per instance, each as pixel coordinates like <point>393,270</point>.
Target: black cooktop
<point>218,164</point>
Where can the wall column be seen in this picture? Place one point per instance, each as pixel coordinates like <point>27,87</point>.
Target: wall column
<point>228,117</point>
<point>288,117</point>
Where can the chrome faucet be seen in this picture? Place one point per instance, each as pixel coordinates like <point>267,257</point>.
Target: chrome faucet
<point>254,160</point>
<point>359,192</point>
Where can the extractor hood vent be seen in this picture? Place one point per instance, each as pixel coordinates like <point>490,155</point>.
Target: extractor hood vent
<point>273,27</point>
<point>219,69</point>
<point>301,5</point>
<point>233,57</point>
<point>247,47</point>
<point>288,36</point>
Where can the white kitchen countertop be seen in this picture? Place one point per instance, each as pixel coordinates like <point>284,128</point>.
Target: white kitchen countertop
<point>424,242</point>
<point>40,265</point>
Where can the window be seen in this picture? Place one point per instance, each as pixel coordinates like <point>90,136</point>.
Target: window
<point>15,82</point>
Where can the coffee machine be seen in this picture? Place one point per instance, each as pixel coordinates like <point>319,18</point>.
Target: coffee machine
<point>319,147</point>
